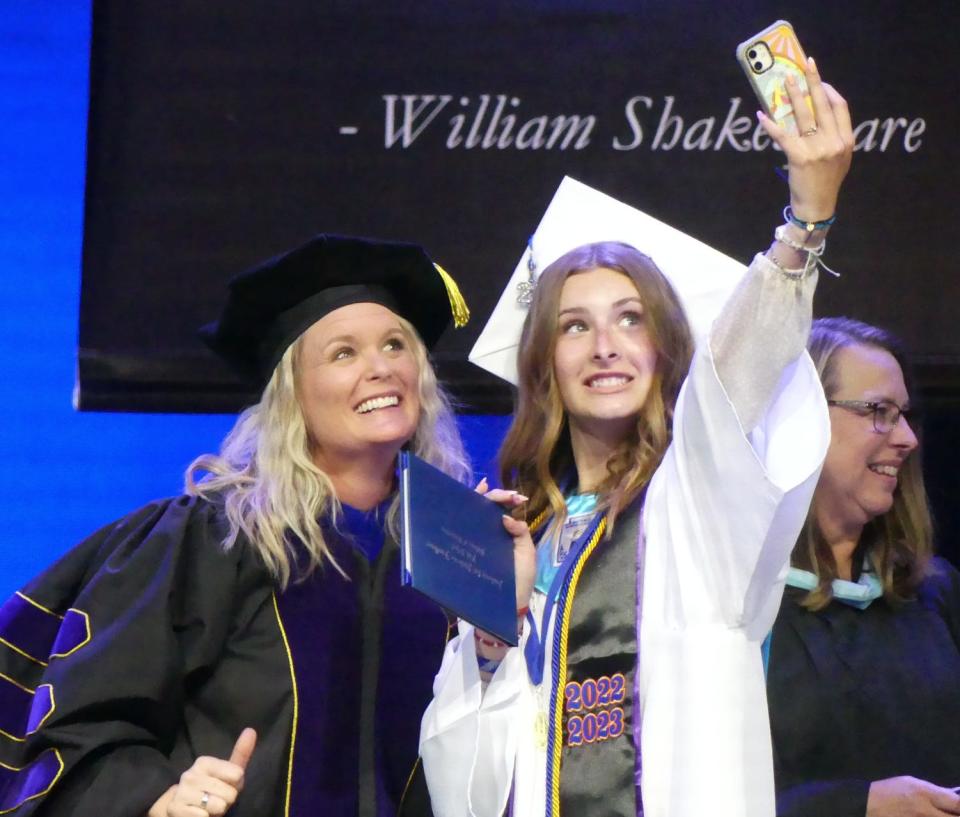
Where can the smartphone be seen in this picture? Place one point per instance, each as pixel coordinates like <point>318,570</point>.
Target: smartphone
<point>768,58</point>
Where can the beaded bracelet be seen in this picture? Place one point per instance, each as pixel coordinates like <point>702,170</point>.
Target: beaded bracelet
<point>781,235</point>
<point>814,256</point>
<point>795,274</point>
<point>809,226</point>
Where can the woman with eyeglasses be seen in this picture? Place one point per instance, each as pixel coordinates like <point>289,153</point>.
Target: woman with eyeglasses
<point>864,658</point>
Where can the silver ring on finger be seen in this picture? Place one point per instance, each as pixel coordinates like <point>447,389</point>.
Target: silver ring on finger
<point>204,799</point>
<point>810,131</point>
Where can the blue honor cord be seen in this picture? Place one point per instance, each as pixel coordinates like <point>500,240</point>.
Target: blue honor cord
<point>534,651</point>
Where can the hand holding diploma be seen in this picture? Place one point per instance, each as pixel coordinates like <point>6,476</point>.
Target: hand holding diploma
<point>524,551</point>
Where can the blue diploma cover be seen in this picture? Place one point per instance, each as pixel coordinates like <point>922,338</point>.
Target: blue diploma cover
<point>455,548</point>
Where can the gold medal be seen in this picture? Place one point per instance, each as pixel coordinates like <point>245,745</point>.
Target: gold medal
<point>540,729</point>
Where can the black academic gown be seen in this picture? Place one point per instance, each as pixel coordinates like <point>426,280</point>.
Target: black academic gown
<point>863,695</point>
<point>148,646</point>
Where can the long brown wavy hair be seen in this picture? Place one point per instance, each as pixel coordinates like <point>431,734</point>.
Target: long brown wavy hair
<point>536,454</point>
<point>900,542</point>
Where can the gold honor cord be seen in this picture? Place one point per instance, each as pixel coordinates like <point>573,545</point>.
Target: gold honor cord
<point>539,520</point>
<point>561,669</point>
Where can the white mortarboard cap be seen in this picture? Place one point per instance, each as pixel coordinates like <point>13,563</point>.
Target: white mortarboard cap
<point>703,277</point>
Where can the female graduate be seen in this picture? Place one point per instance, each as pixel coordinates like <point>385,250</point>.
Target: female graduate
<point>247,648</point>
<point>864,668</point>
<point>669,513</point>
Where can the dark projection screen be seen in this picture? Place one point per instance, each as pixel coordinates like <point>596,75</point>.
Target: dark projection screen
<point>223,133</point>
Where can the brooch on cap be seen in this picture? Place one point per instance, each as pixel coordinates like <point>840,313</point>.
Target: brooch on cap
<point>525,288</point>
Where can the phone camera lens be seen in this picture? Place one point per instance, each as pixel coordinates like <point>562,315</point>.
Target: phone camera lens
<point>758,66</point>
<point>752,53</point>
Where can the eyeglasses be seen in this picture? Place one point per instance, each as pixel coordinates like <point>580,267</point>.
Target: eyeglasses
<point>886,414</point>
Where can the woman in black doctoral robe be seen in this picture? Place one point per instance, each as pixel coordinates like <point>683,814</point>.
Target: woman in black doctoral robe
<point>247,647</point>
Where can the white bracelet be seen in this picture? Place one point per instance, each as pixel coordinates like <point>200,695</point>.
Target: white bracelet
<point>796,274</point>
<point>814,255</point>
<point>780,234</point>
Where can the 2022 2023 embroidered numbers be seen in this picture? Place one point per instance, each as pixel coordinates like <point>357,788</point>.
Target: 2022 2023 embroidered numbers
<point>592,711</point>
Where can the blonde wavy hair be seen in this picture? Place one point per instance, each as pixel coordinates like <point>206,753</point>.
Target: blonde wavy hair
<point>900,542</point>
<point>536,453</point>
<point>271,490</point>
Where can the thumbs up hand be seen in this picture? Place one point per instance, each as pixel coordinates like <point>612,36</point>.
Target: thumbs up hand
<point>211,785</point>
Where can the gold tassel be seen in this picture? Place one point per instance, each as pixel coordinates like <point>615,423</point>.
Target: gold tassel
<point>461,312</point>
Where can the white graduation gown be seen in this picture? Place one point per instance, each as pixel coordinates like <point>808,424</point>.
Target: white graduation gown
<point>721,516</point>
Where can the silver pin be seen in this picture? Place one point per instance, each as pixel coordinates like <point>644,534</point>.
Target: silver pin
<point>525,288</point>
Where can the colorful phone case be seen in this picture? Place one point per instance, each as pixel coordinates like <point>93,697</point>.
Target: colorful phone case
<point>768,58</point>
